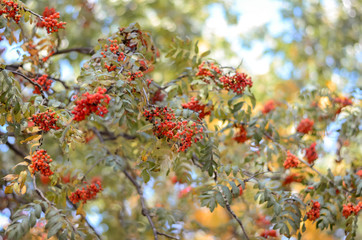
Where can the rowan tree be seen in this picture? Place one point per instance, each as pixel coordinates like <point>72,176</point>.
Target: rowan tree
<point>152,140</point>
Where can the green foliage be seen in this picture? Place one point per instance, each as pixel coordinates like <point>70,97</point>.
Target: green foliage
<point>215,147</point>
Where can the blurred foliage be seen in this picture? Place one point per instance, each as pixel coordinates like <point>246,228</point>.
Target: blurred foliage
<point>190,194</point>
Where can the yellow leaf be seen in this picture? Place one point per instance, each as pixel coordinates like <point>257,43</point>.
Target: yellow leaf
<point>31,170</point>
<point>9,189</point>
<point>10,177</point>
<point>31,138</point>
<point>33,130</point>
<point>144,157</point>
<point>22,163</point>
<point>23,190</point>
<point>22,178</point>
<point>9,118</point>
<point>16,188</point>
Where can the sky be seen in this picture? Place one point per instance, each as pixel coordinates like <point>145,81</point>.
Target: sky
<point>251,15</point>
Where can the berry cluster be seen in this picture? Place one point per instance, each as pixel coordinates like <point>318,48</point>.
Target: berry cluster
<point>44,82</point>
<point>50,20</point>
<point>158,96</point>
<point>10,10</point>
<point>262,221</point>
<point>184,192</point>
<point>206,71</point>
<point>146,66</point>
<point>113,48</point>
<point>45,121</point>
<point>314,212</point>
<point>359,173</point>
<point>149,81</point>
<point>44,59</point>
<point>175,180</point>
<point>290,161</point>
<point>40,162</point>
<point>166,125</point>
<point>133,76</point>
<point>241,135</point>
<point>91,103</point>
<point>268,107</point>
<point>311,154</point>
<point>110,68</point>
<point>305,126</point>
<point>342,102</point>
<point>292,178</point>
<point>86,194</point>
<point>268,233</point>
<point>237,83</point>
<point>349,209</point>
<point>195,106</point>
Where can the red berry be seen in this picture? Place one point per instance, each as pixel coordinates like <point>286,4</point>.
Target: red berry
<point>40,163</point>
<point>290,161</point>
<point>91,103</point>
<point>50,20</point>
<point>305,126</point>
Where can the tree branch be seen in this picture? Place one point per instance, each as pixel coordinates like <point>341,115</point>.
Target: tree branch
<point>16,150</point>
<point>83,50</point>
<point>51,204</point>
<point>145,211</point>
<point>228,208</point>
<point>166,235</point>
<point>14,69</point>
<point>89,225</point>
<point>235,217</point>
<point>306,163</point>
<point>45,99</point>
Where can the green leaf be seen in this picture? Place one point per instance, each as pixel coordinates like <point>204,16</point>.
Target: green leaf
<point>235,189</point>
<point>197,47</point>
<point>227,193</point>
<point>145,175</point>
<point>32,220</point>
<point>204,54</point>
<point>53,230</point>
<point>220,199</point>
<point>145,128</point>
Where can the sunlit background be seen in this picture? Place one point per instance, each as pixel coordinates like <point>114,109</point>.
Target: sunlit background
<point>258,37</point>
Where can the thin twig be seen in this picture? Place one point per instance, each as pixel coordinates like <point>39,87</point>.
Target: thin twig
<point>174,81</point>
<point>112,136</point>
<point>88,223</point>
<point>145,210</point>
<point>166,235</point>
<point>33,83</point>
<point>14,68</point>
<point>34,13</point>
<point>40,193</point>
<point>51,204</point>
<point>91,168</point>
<point>228,208</point>
<point>306,163</point>
<point>16,150</point>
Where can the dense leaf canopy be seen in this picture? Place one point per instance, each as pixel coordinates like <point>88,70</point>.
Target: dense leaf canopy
<point>117,123</point>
